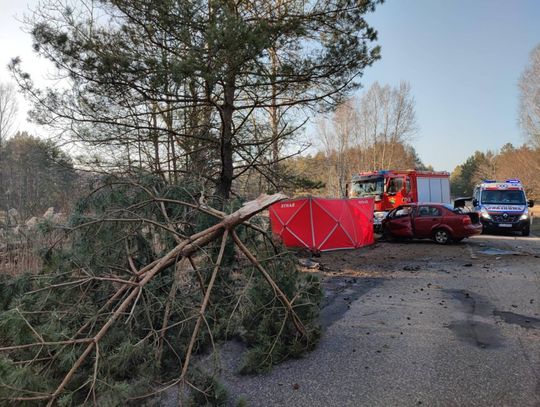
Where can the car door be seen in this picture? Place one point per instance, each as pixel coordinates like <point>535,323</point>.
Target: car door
<point>427,218</point>
<point>399,222</point>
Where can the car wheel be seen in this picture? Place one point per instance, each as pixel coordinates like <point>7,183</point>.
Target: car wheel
<point>526,231</point>
<point>441,236</point>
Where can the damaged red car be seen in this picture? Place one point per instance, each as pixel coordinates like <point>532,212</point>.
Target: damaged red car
<point>440,222</point>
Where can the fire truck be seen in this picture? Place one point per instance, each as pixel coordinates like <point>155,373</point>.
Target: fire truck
<point>391,188</point>
<point>503,206</point>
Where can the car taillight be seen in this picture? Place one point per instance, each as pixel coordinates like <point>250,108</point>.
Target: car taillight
<point>466,220</point>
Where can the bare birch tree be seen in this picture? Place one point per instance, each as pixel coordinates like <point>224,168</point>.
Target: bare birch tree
<point>338,135</point>
<point>387,119</point>
<point>529,86</point>
<point>8,110</point>
<point>370,132</point>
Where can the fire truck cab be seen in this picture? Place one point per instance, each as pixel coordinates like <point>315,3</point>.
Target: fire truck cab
<point>393,188</point>
<point>503,206</point>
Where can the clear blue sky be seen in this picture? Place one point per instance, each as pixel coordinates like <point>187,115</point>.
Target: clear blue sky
<point>463,59</point>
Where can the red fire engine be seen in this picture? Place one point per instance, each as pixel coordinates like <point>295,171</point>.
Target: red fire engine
<point>392,188</point>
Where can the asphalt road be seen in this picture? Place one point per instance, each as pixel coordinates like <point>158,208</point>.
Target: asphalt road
<point>408,324</point>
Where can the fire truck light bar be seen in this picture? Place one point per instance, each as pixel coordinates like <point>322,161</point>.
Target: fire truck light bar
<point>513,181</point>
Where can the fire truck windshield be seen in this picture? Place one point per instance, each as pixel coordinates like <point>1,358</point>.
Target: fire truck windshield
<point>368,187</point>
<point>515,197</point>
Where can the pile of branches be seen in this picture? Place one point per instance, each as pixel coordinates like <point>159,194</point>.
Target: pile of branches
<point>148,277</point>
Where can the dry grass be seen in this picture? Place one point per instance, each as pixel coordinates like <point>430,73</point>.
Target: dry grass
<point>18,260</point>
<point>20,250</point>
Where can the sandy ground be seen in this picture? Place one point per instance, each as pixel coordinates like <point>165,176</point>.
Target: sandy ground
<point>408,324</point>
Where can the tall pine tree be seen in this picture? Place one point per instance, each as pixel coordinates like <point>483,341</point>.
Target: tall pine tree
<point>173,86</point>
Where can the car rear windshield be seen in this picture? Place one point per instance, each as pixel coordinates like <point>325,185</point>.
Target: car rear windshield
<point>515,197</point>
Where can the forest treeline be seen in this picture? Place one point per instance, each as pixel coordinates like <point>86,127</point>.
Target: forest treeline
<point>509,162</point>
<point>36,174</point>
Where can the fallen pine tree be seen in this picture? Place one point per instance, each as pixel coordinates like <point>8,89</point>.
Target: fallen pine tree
<point>147,277</point>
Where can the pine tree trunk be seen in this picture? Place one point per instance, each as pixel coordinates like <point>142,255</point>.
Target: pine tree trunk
<point>227,169</point>
<point>274,120</point>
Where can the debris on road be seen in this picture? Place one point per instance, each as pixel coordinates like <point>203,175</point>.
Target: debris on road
<point>411,268</point>
<point>310,264</point>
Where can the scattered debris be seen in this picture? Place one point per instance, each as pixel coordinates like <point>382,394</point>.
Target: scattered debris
<point>310,264</point>
<point>523,321</point>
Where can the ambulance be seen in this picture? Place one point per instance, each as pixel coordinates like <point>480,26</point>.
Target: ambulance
<point>503,206</point>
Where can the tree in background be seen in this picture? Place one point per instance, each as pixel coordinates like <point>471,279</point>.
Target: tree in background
<point>529,86</point>
<point>522,163</point>
<point>187,88</point>
<point>371,132</point>
<point>465,176</point>
<point>8,110</point>
<point>387,119</point>
<point>37,175</point>
<point>510,162</point>
<point>337,138</point>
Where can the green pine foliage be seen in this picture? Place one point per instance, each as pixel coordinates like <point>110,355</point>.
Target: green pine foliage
<point>213,392</point>
<point>271,333</point>
<point>118,225</point>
